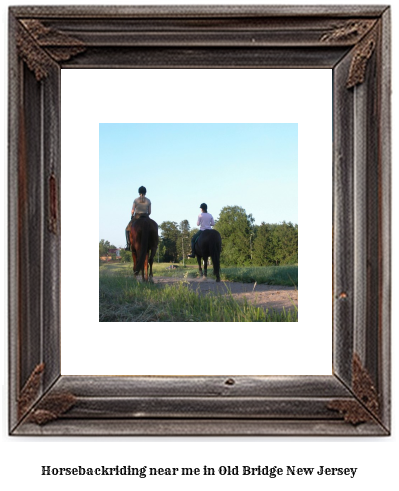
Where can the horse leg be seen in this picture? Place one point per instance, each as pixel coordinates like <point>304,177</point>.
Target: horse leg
<point>151,260</point>
<point>205,266</point>
<point>199,265</point>
<point>145,268</point>
<point>134,254</point>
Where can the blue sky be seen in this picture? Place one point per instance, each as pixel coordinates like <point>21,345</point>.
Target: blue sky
<point>254,166</point>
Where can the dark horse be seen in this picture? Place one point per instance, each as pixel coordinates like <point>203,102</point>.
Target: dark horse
<point>209,244</point>
<point>144,243</point>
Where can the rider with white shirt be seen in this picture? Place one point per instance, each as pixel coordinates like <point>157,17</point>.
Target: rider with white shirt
<point>205,222</point>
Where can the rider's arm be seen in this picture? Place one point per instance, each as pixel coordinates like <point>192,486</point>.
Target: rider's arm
<point>149,209</point>
<point>133,207</point>
<point>212,221</point>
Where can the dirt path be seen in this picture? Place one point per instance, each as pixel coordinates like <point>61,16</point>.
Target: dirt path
<point>265,296</point>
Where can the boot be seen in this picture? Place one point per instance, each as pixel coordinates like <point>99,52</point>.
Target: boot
<point>192,255</point>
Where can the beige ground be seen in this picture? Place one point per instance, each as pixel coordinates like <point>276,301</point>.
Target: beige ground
<point>265,296</point>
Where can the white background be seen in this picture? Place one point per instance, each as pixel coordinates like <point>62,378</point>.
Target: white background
<point>260,96</point>
<point>21,458</point>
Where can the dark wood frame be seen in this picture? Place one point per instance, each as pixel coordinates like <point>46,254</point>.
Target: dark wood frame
<point>353,41</point>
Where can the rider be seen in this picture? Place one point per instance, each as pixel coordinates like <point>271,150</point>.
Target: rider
<point>141,208</point>
<point>205,221</point>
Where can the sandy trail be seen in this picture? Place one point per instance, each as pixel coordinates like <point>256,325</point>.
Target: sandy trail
<point>265,296</point>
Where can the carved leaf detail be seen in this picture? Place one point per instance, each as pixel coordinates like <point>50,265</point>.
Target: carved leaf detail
<point>359,61</point>
<point>363,386</point>
<point>350,31</point>
<point>359,412</point>
<point>52,407</point>
<point>352,411</point>
<point>36,59</point>
<point>38,45</point>
<point>63,54</point>
<point>30,390</point>
<point>49,38</point>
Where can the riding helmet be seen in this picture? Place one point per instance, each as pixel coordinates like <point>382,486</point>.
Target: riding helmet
<point>142,190</point>
<point>204,207</point>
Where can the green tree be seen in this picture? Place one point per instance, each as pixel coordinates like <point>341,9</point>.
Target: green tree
<point>183,243</point>
<point>276,243</point>
<point>126,256</point>
<point>170,235</point>
<point>161,251</point>
<point>105,246</point>
<point>263,248</point>
<point>285,241</point>
<point>236,229</point>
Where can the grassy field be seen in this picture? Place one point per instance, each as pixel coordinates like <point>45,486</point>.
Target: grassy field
<point>123,299</point>
<point>269,275</point>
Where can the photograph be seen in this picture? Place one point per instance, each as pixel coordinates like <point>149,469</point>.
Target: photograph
<point>214,228</point>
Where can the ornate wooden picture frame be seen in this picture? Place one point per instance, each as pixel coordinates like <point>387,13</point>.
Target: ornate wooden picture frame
<point>354,42</point>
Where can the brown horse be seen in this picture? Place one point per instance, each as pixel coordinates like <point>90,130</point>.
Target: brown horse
<point>144,243</point>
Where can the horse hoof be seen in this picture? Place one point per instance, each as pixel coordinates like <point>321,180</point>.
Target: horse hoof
<point>217,280</point>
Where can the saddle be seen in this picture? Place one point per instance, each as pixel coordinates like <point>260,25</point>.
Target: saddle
<point>141,215</point>
<point>136,217</point>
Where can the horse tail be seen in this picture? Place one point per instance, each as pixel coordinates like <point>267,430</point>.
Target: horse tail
<point>145,232</point>
<point>215,247</point>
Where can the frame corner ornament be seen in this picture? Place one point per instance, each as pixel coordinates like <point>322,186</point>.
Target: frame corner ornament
<point>38,46</point>
<point>30,390</point>
<point>361,56</point>
<point>366,406</point>
<point>364,388</point>
<point>351,31</point>
<point>51,407</point>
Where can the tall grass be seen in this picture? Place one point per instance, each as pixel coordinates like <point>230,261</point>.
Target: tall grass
<point>158,269</point>
<point>270,275</point>
<point>123,299</point>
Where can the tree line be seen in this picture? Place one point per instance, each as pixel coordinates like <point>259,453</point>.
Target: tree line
<point>247,244</point>
<point>243,242</point>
